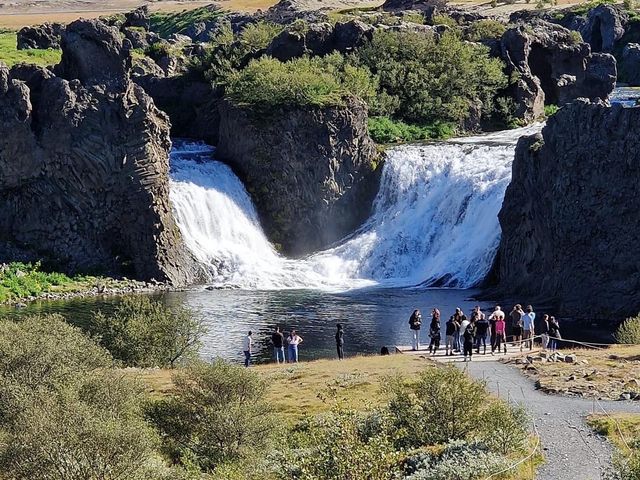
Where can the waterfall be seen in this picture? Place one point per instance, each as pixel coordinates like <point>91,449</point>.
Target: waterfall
<point>434,220</point>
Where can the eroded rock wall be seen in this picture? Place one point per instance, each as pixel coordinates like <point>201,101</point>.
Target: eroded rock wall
<point>84,164</point>
<point>570,215</point>
<point>311,172</point>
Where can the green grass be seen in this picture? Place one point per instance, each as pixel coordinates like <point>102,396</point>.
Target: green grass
<point>22,280</point>
<point>384,130</point>
<point>10,55</point>
<point>167,23</point>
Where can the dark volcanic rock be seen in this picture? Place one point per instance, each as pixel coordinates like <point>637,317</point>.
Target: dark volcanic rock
<point>47,35</point>
<point>138,18</point>
<point>570,215</point>
<point>84,164</point>
<point>630,64</point>
<point>309,171</point>
<point>550,64</point>
<point>603,27</point>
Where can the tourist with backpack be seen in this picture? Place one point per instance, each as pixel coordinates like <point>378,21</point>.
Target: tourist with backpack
<point>415,321</point>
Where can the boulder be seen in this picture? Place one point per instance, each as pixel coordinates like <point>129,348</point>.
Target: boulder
<point>630,65</point>
<point>47,35</point>
<point>287,45</point>
<point>350,35</point>
<point>552,66</point>
<point>137,38</point>
<point>403,5</point>
<point>604,27</point>
<point>569,216</point>
<point>311,171</point>
<point>138,18</point>
<point>84,165</point>
<point>570,359</point>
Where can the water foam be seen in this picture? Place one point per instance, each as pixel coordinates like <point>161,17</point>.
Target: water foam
<point>434,220</point>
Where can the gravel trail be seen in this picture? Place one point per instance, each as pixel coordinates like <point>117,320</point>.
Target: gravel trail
<point>572,450</point>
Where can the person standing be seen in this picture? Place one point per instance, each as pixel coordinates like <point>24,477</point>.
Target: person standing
<point>554,334</point>
<point>248,344</point>
<point>277,339</point>
<point>293,340</point>
<point>528,324</point>
<point>482,328</point>
<point>434,331</point>
<point>500,330</point>
<point>544,332</point>
<point>450,333</point>
<point>515,324</point>
<point>459,319</point>
<point>340,341</point>
<point>415,321</point>
<point>468,336</point>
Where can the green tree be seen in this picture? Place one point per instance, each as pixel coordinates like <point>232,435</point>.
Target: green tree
<point>143,332</point>
<point>424,79</point>
<point>217,414</point>
<point>629,331</point>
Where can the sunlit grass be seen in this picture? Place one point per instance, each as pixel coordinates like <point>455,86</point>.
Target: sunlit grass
<point>10,55</point>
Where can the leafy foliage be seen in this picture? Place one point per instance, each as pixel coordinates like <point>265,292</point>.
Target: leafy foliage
<point>167,23</point>
<point>144,333</point>
<point>485,30</point>
<point>550,109</point>
<point>319,82</point>
<point>629,331</point>
<point>217,414</point>
<point>20,280</point>
<point>343,444</point>
<point>385,130</point>
<point>423,80</point>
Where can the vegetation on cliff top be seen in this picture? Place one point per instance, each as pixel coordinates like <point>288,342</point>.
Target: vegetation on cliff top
<point>167,23</point>
<point>21,280</point>
<point>10,55</point>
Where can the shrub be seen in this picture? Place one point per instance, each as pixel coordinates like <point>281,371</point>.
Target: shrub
<point>257,36</point>
<point>142,332</point>
<point>92,430</point>
<point>423,80</point>
<point>457,461</point>
<point>217,414</point>
<point>444,20</point>
<point>386,130</point>
<point>158,50</point>
<point>442,404</point>
<point>343,444</point>
<point>485,30</point>
<point>629,331</point>
<point>550,110</point>
<point>318,82</point>
<point>21,280</point>
<point>504,428</point>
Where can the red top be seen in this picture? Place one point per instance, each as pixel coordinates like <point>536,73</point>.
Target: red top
<point>500,326</point>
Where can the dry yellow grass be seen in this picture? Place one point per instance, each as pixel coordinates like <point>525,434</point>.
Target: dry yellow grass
<point>297,389</point>
<point>597,373</point>
<point>619,428</point>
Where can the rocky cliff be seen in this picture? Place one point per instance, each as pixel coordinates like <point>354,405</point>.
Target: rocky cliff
<point>311,172</point>
<point>84,164</point>
<point>570,214</point>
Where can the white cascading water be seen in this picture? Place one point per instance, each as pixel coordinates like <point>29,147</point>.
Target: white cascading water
<point>434,220</point>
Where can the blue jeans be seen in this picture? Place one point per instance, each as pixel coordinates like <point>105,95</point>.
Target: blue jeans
<point>247,358</point>
<point>278,354</point>
<point>553,344</point>
<point>293,353</point>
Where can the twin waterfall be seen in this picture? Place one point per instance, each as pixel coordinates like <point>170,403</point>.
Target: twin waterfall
<point>434,221</point>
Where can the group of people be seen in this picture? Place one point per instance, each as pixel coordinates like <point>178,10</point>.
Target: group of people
<point>292,342</point>
<point>469,334</point>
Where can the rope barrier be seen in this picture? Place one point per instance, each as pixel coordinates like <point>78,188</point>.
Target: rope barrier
<point>520,462</point>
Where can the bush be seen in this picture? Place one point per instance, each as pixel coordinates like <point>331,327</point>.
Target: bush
<point>319,82</point>
<point>142,332</point>
<point>504,428</point>
<point>158,50</point>
<point>550,110</point>
<point>92,430</point>
<point>385,130</point>
<point>629,331</point>
<point>485,30</point>
<point>258,36</point>
<point>444,20</point>
<point>343,444</point>
<point>457,461</point>
<point>216,415</point>
<point>424,80</point>
<point>21,280</point>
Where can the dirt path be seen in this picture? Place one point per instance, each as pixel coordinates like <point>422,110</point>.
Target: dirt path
<point>571,449</point>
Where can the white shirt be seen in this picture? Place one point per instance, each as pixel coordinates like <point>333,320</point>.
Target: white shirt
<point>247,343</point>
<point>528,319</point>
<point>464,325</point>
<point>497,315</point>
<point>295,340</point>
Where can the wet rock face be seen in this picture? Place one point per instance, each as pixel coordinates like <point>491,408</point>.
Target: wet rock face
<point>310,171</point>
<point>84,164</point>
<point>570,215</point>
<point>552,66</point>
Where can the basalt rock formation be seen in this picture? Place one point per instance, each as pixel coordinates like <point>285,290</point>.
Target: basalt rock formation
<point>551,66</point>
<point>84,164</point>
<point>570,215</point>
<point>47,35</point>
<point>311,172</point>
